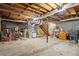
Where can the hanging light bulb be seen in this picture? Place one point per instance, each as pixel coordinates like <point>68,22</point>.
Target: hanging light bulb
<point>34,19</point>
<point>61,10</point>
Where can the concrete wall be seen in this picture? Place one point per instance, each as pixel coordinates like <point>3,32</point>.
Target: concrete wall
<point>66,26</point>
<point>11,24</point>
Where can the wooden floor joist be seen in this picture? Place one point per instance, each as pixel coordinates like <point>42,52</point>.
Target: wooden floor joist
<point>30,10</point>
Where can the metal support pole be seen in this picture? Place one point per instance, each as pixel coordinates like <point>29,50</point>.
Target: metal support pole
<point>47,29</point>
<point>0,24</point>
<point>29,28</point>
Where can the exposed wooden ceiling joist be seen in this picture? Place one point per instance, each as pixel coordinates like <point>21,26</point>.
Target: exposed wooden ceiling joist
<point>49,6</point>
<point>76,8</point>
<point>41,7</point>
<point>25,8</point>
<point>30,9</point>
<point>34,10</point>
<point>71,11</point>
<point>5,10</point>
<point>45,6</point>
<point>22,9</point>
<point>9,15</point>
<point>53,18</point>
<point>17,9</point>
<point>32,6</point>
<point>58,5</point>
<point>66,7</point>
<point>11,9</point>
<point>52,5</point>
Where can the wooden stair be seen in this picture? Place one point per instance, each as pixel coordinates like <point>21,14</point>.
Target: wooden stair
<point>43,27</point>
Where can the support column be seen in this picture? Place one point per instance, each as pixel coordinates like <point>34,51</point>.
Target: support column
<point>47,29</point>
<point>0,29</point>
<point>25,31</point>
<point>0,24</point>
<point>29,29</point>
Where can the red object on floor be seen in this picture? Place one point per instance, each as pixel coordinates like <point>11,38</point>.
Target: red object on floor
<point>9,36</point>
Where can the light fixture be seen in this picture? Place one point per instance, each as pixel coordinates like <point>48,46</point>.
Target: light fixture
<point>34,19</point>
<point>61,10</point>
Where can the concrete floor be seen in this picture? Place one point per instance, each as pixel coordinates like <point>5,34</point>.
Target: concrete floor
<point>39,47</point>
